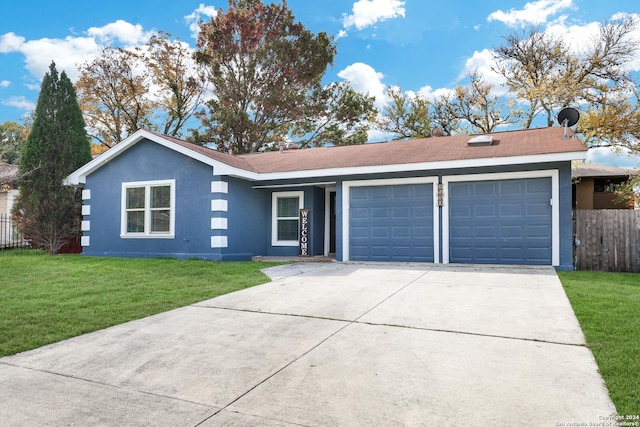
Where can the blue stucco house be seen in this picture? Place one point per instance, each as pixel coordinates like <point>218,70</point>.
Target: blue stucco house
<point>503,198</point>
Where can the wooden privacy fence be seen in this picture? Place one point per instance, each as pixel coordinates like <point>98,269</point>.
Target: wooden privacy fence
<point>10,236</point>
<point>607,240</point>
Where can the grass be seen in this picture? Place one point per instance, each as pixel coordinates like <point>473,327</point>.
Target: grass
<point>44,299</point>
<point>608,308</point>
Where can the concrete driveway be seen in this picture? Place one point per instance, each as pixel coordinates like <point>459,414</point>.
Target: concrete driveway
<point>328,345</point>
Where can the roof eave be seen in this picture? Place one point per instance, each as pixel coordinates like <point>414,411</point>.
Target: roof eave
<point>436,165</point>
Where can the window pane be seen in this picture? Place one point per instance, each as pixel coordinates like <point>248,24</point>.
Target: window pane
<point>161,197</point>
<point>135,198</point>
<point>135,222</point>
<point>288,207</point>
<point>287,229</point>
<point>160,221</point>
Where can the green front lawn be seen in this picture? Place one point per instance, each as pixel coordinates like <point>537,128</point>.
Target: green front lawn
<point>44,299</point>
<point>608,308</point>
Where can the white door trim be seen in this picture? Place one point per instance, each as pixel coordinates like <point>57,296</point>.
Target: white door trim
<point>346,197</point>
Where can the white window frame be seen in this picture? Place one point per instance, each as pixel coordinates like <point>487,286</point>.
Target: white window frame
<point>274,216</point>
<point>147,185</point>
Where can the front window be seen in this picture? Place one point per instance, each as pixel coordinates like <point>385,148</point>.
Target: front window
<point>148,209</point>
<point>285,217</point>
<point>606,185</point>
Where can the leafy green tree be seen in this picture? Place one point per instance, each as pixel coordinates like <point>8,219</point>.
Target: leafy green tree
<point>406,117</point>
<point>47,211</point>
<point>12,136</point>
<point>336,115</point>
<point>263,66</point>
<point>157,86</point>
<point>112,92</point>
<point>613,120</point>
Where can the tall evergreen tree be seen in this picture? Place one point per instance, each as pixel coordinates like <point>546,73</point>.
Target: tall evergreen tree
<point>47,211</point>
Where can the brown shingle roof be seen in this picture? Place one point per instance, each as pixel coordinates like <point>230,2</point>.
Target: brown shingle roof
<point>594,170</point>
<point>527,142</point>
<point>505,144</point>
<point>528,146</point>
<point>234,161</point>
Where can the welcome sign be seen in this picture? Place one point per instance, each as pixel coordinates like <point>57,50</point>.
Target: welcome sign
<point>305,240</point>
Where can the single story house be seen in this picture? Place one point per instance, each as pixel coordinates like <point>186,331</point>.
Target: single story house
<point>503,198</point>
<point>595,186</point>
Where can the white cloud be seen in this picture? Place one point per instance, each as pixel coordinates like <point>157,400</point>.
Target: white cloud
<point>19,102</point>
<point>377,135</point>
<point>365,79</point>
<point>577,36</point>
<point>482,62</point>
<point>608,156</point>
<point>194,18</point>
<point>429,93</point>
<point>66,53</point>
<point>370,12</point>
<point>5,83</point>
<point>121,31</point>
<point>70,51</point>
<point>10,42</point>
<point>534,13</point>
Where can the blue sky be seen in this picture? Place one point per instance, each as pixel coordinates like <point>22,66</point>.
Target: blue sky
<point>424,46</point>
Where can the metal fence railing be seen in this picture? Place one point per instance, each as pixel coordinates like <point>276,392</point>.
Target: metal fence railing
<point>10,236</point>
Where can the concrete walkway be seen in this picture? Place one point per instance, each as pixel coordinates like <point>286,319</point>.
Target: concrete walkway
<point>328,345</point>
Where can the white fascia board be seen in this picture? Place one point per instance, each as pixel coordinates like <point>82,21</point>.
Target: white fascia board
<point>80,176</point>
<point>431,166</point>
<point>220,168</point>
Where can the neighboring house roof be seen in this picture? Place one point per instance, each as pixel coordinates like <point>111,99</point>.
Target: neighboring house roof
<point>513,147</point>
<point>594,170</point>
<point>8,174</point>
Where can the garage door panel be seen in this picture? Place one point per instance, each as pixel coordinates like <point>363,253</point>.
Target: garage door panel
<point>398,220</point>
<point>509,209</point>
<point>401,192</point>
<point>510,231</point>
<point>401,232</point>
<point>360,232</point>
<point>510,188</point>
<point>538,186</point>
<point>538,231</point>
<point>502,222</point>
<point>460,231</point>
<point>403,212</point>
<point>358,194</point>
<point>378,233</point>
<point>538,208</point>
<point>380,213</point>
<point>423,232</point>
<point>484,189</point>
<point>359,213</point>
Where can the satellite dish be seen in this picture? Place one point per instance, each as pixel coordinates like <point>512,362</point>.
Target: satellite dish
<point>568,117</point>
<point>570,114</point>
